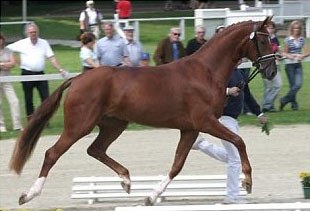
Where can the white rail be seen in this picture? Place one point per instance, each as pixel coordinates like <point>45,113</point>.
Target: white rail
<point>267,206</point>
<point>50,77</point>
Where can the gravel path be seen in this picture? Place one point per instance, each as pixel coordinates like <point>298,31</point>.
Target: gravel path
<point>276,161</point>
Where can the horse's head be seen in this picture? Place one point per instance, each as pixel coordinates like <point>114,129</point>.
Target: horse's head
<point>260,50</point>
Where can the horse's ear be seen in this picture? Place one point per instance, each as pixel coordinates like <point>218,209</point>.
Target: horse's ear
<point>266,21</point>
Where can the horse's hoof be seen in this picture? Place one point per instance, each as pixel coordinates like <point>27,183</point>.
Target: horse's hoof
<point>22,199</point>
<point>148,202</point>
<point>126,187</point>
<point>247,186</point>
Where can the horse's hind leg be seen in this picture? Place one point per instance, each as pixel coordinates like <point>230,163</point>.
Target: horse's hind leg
<point>110,130</point>
<point>186,141</point>
<point>51,156</point>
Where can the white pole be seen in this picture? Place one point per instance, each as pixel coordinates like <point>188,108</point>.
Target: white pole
<point>24,10</point>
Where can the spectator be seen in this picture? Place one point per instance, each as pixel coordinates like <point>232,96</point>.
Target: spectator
<point>293,45</point>
<point>194,4</point>
<point>168,5</point>
<point>90,20</point>
<point>195,43</point>
<point>228,153</point>
<point>7,62</point>
<point>33,53</point>
<point>111,49</point>
<point>272,87</point>
<point>145,59</point>
<point>134,47</point>
<point>169,49</point>
<point>245,72</point>
<point>88,57</point>
<point>124,9</point>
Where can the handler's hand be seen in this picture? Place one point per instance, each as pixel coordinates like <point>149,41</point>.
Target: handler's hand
<point>262,119</point>
<point>233,91</point>
<point>64,74</point>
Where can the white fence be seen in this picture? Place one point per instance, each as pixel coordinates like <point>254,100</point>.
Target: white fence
<point>59,77</point>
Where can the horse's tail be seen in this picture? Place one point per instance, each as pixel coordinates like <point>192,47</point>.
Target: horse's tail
<point>30,136</point>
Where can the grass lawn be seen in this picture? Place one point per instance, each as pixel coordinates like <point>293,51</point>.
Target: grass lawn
<point>151,33</point>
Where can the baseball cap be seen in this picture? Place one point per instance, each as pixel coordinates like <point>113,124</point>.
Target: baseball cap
<point>90,2</point>
<point>145,56</point>
<point>128,28</point>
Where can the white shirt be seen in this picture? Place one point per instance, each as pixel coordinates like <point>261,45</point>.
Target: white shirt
<point>85,54</point>
<point>92,15</point>
<point>32,57</point>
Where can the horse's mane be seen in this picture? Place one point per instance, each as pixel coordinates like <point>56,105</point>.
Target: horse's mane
<point>232,27</point>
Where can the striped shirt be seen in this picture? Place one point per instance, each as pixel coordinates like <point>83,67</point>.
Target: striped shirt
<point>294,45</point>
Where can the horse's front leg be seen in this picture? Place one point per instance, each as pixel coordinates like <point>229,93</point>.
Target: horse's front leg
<point>215,128</point>
<point>186,141</point>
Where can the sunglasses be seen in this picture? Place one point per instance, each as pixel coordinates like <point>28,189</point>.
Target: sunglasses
<point>177,34</point>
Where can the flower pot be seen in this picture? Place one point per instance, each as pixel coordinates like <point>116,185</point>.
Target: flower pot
<point>307,192</point>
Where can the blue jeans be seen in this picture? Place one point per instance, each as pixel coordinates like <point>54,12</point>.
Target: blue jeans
<point>294,75</point>
<point>272,89</point>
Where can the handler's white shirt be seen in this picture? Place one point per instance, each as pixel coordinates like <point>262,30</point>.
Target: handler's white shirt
<point>32,57</point>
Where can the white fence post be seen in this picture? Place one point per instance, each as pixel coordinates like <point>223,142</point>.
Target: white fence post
<point>182,27</point>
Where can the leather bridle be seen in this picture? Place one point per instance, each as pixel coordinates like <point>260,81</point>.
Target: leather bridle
<point>260,58</point>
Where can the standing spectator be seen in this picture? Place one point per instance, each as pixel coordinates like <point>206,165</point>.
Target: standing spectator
<point>90,19</point>
<point>33,53</point>
<point>293,45</point>
<point>245,72</point>
<point>168,5</point>
<point>111,49</point>
<point>169,49</point>
<point>7,62</point>
<point>88,57</point>
<point>195,43</point>
<point>272,87</point>
<point>145,59</point>
<point>124,9</point>
<point>134,47</point>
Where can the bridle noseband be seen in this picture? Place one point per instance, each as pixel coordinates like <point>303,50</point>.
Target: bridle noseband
<point>260,58</point>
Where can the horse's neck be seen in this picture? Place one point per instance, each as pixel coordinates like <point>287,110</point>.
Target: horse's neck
<point>223,54</point>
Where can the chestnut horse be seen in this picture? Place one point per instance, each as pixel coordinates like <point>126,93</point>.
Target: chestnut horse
<point>188,94</point>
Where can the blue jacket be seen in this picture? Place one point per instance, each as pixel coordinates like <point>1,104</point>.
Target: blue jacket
<point>234,105</point>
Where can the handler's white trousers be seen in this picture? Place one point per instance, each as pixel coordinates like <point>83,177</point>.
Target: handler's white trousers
<point>228,154</point>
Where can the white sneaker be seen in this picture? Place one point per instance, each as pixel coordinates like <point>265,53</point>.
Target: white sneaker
<point>197,142</point>
<point>228,200</point>
<point>3,129</point>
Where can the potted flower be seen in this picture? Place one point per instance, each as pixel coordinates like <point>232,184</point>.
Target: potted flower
<point>305,181</point>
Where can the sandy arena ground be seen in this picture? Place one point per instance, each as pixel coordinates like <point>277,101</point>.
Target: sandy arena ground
<point>276,160</point>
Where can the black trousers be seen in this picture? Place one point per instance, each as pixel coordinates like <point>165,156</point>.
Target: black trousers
<point>28,86</point>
